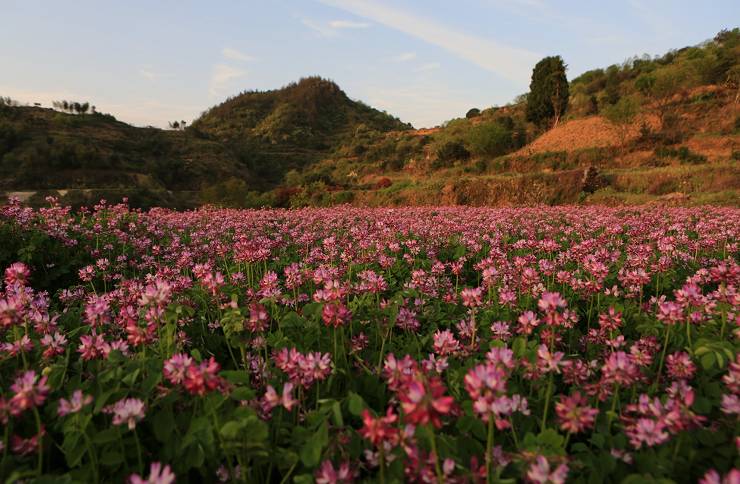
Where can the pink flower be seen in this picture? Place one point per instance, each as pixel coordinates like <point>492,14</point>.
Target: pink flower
<point>551,301</point>
<point>76,403</point>
<point>200,379</point>
<point>128,411</point>
<point>484,383</point>
<point>574,413</point>
<point>258,318</point>
<point>380,430</point>
<point>527,322</point>
<point>326,474</point>
<point>646,431</point>
<point>17,274</point>
<point>539,472</point>
<point>445,343</point>
<point>176,368</point>
<point>423,401</point>
<point>549,362</point>
<point>713,477</point>
<point>619,368</point>
<point>272,399</point>
<point>471,297</point>
<point>335,314</point>
<point>157,475</point>
<point>680,366</point>
<point>91,346</point>
<point>30,391</point>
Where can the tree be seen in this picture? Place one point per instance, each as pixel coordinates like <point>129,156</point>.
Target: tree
<point>472,113</point>
<point>621,115</point>
<point>548,92</point>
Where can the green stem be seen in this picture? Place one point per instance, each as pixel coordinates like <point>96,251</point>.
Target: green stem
<point>662,357</point>
<point>138,452</point>
<point>381,462</point>
<point>547,402</point>
<point>40,463</point>
<point>489,449</point>
<point>437,466</point>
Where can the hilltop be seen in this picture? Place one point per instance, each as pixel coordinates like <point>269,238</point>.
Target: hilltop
<point>663,129</point>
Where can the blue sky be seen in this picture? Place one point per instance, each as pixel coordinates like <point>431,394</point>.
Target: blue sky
<point>426,61</point>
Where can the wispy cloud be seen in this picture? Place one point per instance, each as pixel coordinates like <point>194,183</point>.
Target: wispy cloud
<point>320,29</point>
<point>506,61</point>
<point>404,57</point>
<point>150,74</point>
<point>429,66</point>
<point>236,55</point>
<point>222,76</point>
<point>348,24</point>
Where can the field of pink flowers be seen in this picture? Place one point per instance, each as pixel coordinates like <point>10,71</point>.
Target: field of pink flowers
<point>578,344</point>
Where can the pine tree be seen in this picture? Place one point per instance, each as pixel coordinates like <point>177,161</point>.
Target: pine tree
<point>548,92</point>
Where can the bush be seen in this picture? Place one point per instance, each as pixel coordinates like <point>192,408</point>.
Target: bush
<point>473,113</point>
<point>489,139</point>
<point>683,154</point>
<point>452,151</point>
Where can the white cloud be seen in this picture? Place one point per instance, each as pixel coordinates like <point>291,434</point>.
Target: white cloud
<point>404,57</point>
<point>429,66</point>
<point>150,74</point>
<point>236,55</point>
<point>348,24</point>
<point>320,29</point>
<point>508,62</point>
<point>222,76</point>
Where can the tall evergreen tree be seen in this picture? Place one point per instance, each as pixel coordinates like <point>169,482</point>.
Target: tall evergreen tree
<point>548,92</point>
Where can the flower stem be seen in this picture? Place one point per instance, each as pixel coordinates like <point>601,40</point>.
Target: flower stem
<point>547,402</point>
<point>437,466</point>
<point>489,449</point>
<point>662,357</point>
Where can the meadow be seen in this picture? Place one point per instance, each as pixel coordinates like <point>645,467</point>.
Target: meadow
<point>431,344</point>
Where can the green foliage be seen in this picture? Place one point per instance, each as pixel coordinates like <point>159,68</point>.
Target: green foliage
<point>452,151</point>
<point>548,92</point>
<point>682,153</point>
<point>489,139</point>
<point>472,113</point>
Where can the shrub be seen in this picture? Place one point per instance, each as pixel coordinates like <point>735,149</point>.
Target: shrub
<point>452,151</point>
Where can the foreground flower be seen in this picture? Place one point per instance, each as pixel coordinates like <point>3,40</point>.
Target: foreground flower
<point>272,399</point>
<point>77,402</point>
<point>540,472</point>
<point>574,413</point>
<point>30,391</point>
<point>128,411</point>
<point>380,430</point>
<point>326,474</point>
<point>157,475</point>
<point>713,477</point>
<point>423,401</point>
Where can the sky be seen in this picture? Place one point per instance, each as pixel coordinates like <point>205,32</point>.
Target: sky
<point>149,62</point>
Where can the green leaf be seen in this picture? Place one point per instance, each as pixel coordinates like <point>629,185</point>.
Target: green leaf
<point>237,377</point>
<point>337,412</point>
<point>164,425</point>
<point>106,436</point>
<point>355,404</point>
<point>111,458</point>
<point>312,449</point>
<point>242,393</point>
<point>231,430</point>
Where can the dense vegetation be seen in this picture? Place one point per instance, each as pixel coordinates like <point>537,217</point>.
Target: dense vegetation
<point>331,345</point>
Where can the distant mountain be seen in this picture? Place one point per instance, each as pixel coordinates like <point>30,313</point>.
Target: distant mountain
<point>313,113</point>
